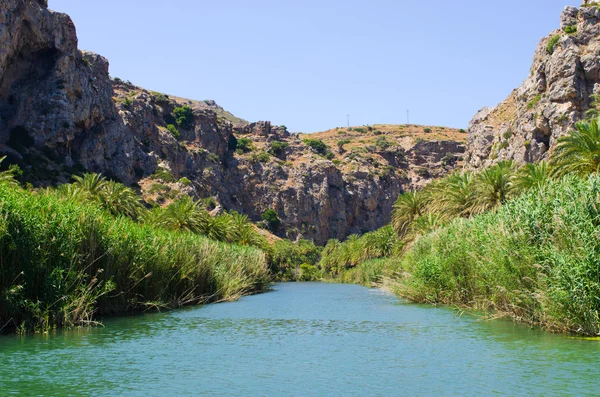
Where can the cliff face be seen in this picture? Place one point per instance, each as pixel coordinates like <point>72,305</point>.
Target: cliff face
<point>60,113</point>
<point>560,90</point>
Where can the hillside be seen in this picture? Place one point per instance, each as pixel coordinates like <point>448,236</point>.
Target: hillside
<point>562,88</point>
<point>61,114</point>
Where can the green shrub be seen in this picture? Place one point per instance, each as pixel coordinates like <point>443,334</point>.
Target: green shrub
<point>531,104</point>
<point>427,130</point>
<point>277,147</point>
<point>317,145</point>
<point>185,181</point>
<point>551,46</point>
<point>271,218</point>
<point>174,131</point>
<point>382,143</point>
<point>260,157</point>
<point>127,102</point>
<point>571,29</point>
<point>163,174</point>
<point>184,116</point>
<point>244,145</point>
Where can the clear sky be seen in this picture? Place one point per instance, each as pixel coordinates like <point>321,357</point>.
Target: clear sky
<point>307,64</point>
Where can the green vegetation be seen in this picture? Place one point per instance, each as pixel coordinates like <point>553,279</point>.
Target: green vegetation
<point>295,261</point>
<point>260,157</point>
<point>427,130</point>
<point>571,29</point>
<point>127,102</point>
<point>244,145</point>
<point>516,242</point>
<point>342,142</point>
<point>531,104</point>
<point>66,258</point>
<point>382,143</point>
<point>277,148</point>
<point>534,260</point>
<point>174,131</point>
<point>271,219</point>
<point>317,145</point>
<point>551,46</point>
<point>184,116</point>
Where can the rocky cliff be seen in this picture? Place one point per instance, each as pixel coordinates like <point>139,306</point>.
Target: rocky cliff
<point>60,114</point>
<point>562,88</point>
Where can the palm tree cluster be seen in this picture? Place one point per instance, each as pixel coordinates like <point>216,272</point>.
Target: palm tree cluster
<point>184,214</point>
<point>465,193</point>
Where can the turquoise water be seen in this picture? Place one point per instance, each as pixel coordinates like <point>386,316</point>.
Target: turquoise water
<point>304,339</point>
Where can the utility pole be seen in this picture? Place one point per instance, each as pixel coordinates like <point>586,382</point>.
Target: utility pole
<point>407,117</point>
<point>348,120</point>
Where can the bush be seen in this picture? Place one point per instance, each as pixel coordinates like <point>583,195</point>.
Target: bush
<point>551,46</point>
<point>277,147</point>
<point>271,217</point>
<point>531,104</point>
<point>184,116</point>
<point>244,145</point>
<point>427,130</point>
<point>382,143</point>
<point>163,174</point>
<point>572,29</point>
<point>174,131</point>
<point>260,157</point>
<point>317,145</point>
<point>185,181</point>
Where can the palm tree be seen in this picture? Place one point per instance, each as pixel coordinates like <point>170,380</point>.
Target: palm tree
<point>217,228</point>
<point>427,223</point>
<point>407,207</point>
<point>454,196</point>
<point>71,192</point>
<point>90,183</point>
<point>532,175</point>
<point>184,214</point>
<point>493,186</point>
<point>579,151</point>
<point>120,200</point>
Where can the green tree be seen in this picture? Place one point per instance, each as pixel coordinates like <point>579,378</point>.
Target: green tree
<point>271,217</point>
<point>579,151</point>
<point>120,200</point>
<point>493,186</point>
<point>454,196</point>
<point>533,175</point>
<point>184,116</point>
<point>408,207</point>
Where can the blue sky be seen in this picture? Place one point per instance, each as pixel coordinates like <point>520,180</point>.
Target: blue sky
<point>307,64</point>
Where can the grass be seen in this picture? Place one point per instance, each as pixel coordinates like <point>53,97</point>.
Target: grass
<point>535,259</point>
<point>64,263</point>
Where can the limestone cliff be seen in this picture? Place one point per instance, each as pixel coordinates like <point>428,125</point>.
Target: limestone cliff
<point>561,89</point>
<point>60,114</point>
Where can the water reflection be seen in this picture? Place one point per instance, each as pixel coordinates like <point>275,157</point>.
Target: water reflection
<point>301,340</point>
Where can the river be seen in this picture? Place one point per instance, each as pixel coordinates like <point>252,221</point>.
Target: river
<point>301,339</point>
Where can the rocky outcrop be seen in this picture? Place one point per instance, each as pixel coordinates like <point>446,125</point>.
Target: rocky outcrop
<point>60,113</point>
<point>560,90</point>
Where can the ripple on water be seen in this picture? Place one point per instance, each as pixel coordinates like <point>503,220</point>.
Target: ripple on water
<point>303,339</point>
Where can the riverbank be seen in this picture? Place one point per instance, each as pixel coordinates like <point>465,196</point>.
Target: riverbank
<point>64,262</point>
<point>534,260</point>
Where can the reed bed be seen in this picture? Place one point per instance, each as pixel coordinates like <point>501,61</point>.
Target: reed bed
<point>65,263</point>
